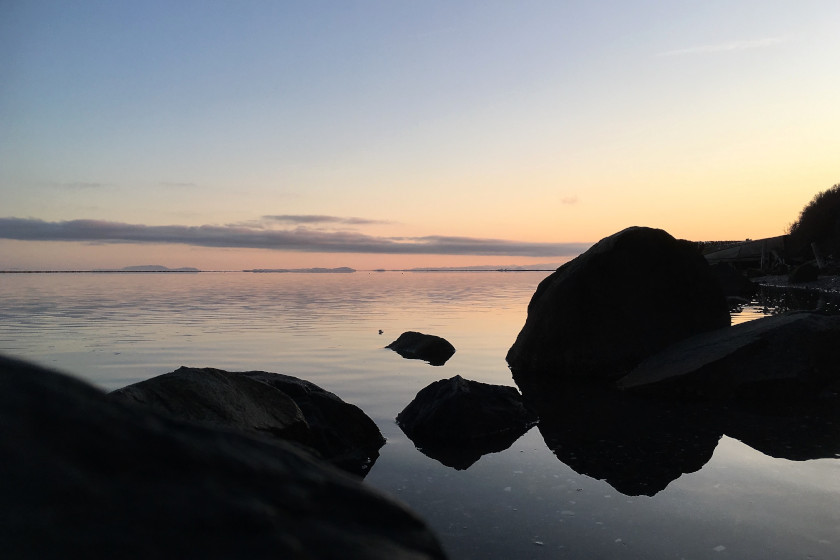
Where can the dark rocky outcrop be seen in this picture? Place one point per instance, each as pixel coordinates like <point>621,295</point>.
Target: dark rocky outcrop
<point>427,347</point>
<point>457,420</point>
<point>269,404</point>
<point>86,476</point>
<point>776,360</point>
<point>805,272</point>
<point>627,297</point>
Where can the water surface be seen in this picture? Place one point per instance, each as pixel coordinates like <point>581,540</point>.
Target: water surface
<point>116,329</point>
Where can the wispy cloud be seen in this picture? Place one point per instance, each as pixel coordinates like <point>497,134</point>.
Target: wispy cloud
<point>727,47</point>
<point>80,185</point>
<point>320,219</point>
<point>299,239</point>
<point>177,185</point>
<point>569,200</point>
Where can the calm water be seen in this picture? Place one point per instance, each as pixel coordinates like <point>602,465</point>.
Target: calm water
<point>116,329</point>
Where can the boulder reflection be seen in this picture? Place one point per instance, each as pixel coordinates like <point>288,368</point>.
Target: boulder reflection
<point>465,454</point>
<point>639,445</point>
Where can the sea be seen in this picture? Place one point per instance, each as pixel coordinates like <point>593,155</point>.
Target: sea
<point>114,329</point>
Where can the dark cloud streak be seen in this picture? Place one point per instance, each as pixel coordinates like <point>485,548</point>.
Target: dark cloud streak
<point>319,219</point>
<point>298,239</point>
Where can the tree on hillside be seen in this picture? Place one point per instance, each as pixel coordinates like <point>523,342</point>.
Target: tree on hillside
<point>819,222</point>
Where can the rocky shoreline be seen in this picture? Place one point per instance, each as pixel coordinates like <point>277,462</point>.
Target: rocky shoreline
<point>829,284</point>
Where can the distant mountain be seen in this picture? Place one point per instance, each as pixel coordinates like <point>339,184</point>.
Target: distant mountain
<point>339,270</point>
<point>497,268</point>
<point>157,268</point>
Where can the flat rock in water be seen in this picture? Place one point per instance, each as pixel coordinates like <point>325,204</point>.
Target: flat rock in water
<point>779,359</point>
<point>86,476</point>
<point>269,404</point>
<point>427,347</point>
<point>457,420</point>
<point>220,399</point>
<point>627,297</point>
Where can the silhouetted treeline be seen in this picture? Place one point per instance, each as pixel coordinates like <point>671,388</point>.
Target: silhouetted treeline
<point>819,223</point>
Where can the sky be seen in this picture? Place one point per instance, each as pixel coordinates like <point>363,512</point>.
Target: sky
<point>401,133</point>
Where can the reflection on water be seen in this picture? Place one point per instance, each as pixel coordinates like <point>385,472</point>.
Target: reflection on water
<point>713,496</point>
<point>640,445</point>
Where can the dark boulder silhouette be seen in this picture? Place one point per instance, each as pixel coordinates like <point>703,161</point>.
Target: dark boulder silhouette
<point>87,476</point>
<point>427,347</point>
<point>627,297</point>
<point>267,404</point>
<point>457,420</point>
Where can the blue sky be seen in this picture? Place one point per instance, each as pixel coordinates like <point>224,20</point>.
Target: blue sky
<point>552,123</point>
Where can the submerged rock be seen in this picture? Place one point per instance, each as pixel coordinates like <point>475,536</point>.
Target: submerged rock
<point>427,347</point>
<point>627,297</point>
<point>457,420</point>
<point>269,404</point>
<point>777,360</point>
<point>87,476</point>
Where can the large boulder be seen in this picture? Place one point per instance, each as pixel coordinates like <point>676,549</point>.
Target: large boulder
<point>268,404</point>
<point>778,361</point>
<point>419,346</point>
<point>86,476</point>
<point>457,420</point>
<point>627,297</point>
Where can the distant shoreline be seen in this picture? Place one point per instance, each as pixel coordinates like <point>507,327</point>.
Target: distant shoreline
<point>422,270</point>
<point>108,271</point>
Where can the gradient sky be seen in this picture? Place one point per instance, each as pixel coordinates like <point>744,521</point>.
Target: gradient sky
<point>272,134</point>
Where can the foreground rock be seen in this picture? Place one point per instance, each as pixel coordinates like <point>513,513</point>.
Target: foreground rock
<point>85,476</point>
<point>457,420</point>
<point>269,404</point>
<point>627,297</point>
<point>777,360</point>
<point>426,347</point>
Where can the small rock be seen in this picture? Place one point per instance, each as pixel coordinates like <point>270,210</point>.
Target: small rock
<point>456,420</point>
<point>427,347</point>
